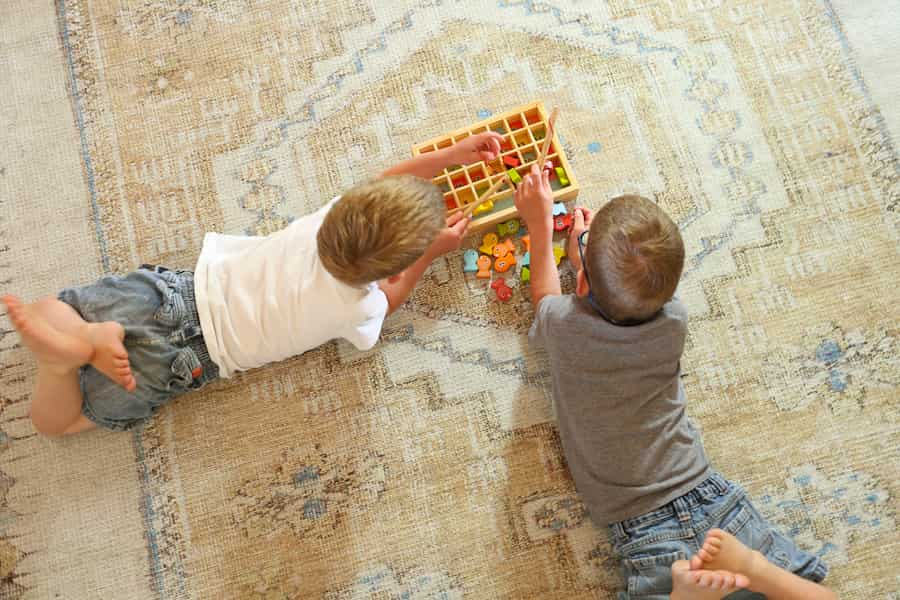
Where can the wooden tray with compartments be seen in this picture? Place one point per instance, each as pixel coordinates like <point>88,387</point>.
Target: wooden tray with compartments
<point>523,129</point>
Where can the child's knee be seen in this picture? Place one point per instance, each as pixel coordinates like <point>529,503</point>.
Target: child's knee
<point>45,428</point>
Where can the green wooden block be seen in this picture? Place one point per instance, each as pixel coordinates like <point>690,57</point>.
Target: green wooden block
<point>514,175</point>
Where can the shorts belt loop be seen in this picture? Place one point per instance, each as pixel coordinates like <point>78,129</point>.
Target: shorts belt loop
<point>720,483</point>
<point>618,532</point>
<point>682,510</point>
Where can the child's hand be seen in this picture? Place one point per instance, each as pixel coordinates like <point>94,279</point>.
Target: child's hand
<point>451,237</point>
<point>534,200</point>
<point>484,146</point>
<point>581,221</point>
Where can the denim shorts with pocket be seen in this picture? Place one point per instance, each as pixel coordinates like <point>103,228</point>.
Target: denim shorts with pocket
<point>166,350</point>
<point>648,545</point>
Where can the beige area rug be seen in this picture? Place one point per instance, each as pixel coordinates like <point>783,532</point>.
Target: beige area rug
<point>430,467</point>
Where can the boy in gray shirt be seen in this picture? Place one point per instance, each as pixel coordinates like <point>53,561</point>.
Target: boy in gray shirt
<point>615,347</point>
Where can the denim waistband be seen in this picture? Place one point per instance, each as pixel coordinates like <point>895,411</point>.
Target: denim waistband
<point>191,332</point>
<point>712,487</point>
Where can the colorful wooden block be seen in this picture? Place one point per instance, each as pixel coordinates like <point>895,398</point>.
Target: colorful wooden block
<point>515,124</point>
<point>514,176</point>
<point>526,274</point>
<point>503,264</point>
<point>510,161</point>
<point>470,261</point>
<point>484,207</point>
<point>562,222</point>
<point>511,227</point>
<point>484,267</point>
<point>559,251</point>
<point>476,176</point>
<point>526,240</point>
<point>459,182</point>
<point>504,292</point>
<point>504,248</point>
<point>526,260</point>
<point>488,242</point>
<point>561,174</point>
<point>559,209</point>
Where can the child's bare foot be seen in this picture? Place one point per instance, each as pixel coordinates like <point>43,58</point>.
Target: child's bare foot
<point>721,550</point>
<point>110,356</point>
<point>702,584</point>
<point>54,350</point>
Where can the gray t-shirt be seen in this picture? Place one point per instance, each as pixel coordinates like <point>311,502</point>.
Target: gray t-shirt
<point>621,406</point>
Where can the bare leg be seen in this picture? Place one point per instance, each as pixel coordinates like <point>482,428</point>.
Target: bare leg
<point>109,356</point>
<point>721,550</point>
<point>62,342</point>
<point>701,584</point>
<point>57,399</point>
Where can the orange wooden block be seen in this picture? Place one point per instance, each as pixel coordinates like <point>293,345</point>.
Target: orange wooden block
<point>504,248</point>
<point>484,267</point>
<point>502,265</point>
<point>526,239</point>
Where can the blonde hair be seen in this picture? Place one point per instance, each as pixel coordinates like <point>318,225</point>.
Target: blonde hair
<point>634,258</point>
<point>379,228</point>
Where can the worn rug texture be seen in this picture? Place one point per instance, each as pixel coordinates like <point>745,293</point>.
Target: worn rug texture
<point>430,467</point>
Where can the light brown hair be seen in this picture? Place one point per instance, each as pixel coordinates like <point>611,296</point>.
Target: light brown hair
<point>379,228</point>
<point>634,258</point>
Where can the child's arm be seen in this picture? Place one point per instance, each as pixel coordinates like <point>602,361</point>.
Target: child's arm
<point>398,288</point>
<point>534,199</point>
<point>484,146</point>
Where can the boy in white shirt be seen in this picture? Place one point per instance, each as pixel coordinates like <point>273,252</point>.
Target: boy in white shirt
<point>112,353</point>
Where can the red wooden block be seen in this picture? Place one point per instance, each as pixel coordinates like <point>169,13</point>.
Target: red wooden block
<point>510,161</point>
<point>562,222</point>
<point>459,182</point>
<point>504,292</point>
<point>517,124</point>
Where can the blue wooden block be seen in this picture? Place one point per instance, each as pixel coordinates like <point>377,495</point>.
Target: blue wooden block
<point>469,259</point>
<point>559,209</point>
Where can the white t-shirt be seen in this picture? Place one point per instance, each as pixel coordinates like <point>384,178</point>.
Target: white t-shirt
<point>265,299</point>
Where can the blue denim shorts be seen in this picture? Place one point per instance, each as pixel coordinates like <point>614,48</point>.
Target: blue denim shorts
<point>648,545</point>
<point>165,345</point>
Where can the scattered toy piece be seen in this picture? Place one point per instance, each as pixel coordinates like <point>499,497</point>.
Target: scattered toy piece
<point>514,176</point>
<point>484,267</point>
<point>505,248</point>
<point>488,242</point>
<point>526,260</point>
<point>502,265</point>
<point>561,174</point>
<point>562,222</point>
<point>526,274</point>
<point>511,227</point>
<point>559,251</point>
<point>559,209</point>
<point>510,161</point>
<point>504,292</point>
<point>470,260</point>
<point>526,239</point>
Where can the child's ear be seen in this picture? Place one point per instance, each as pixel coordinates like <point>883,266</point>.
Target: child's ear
<point>582,289</point>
